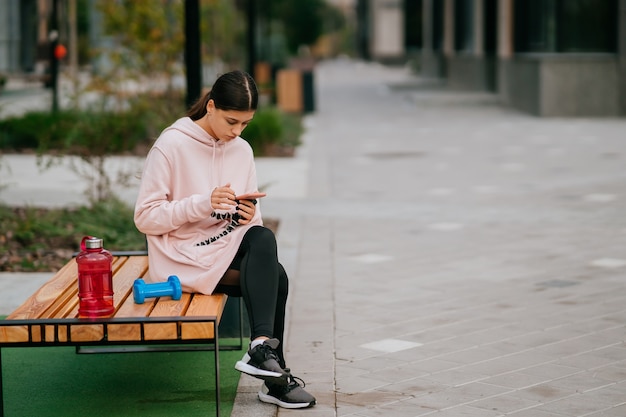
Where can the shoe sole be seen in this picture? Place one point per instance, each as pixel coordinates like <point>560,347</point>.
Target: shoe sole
<point>266,398</point>
<point>270,376</point>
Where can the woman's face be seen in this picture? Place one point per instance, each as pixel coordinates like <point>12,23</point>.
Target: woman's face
<point>226,124</point>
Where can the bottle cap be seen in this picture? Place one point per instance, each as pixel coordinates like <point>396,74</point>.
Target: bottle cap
<point>93,243</point>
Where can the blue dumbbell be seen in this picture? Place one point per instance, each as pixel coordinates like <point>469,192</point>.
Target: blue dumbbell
<point>170,288</point>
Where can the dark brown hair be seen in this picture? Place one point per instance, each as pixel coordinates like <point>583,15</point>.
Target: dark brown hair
<point>235,90</point>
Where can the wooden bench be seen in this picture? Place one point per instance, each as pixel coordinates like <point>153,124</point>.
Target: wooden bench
<point>50,318</point>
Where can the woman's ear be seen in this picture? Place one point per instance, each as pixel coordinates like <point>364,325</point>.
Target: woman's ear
<point>210,106</point>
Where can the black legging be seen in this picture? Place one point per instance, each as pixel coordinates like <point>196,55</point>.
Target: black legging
<point>256,275</point>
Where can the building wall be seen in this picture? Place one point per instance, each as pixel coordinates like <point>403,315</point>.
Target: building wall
<point>550,84</point>
<point>518,84</point>
<point>9,35</point>
<point>469,48</point>
<point>554,81</point>
<point>579,86</point>
<point>622,56</point>
<point>471,73</point>
<point>431,58</point>
<point>22,40</point>
<point>387,30</point>
<point>561,86</point>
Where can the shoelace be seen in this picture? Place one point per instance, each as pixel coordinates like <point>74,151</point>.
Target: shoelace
<point>268,352</point>
<point>294,380</point>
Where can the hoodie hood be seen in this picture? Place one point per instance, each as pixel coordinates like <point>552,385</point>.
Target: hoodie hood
<point>194,131</point>
<point>218,148</point>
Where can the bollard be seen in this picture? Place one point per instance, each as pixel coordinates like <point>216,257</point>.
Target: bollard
<point>170,288</point>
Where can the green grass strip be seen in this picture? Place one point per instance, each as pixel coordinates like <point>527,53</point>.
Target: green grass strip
<point>55,381</point>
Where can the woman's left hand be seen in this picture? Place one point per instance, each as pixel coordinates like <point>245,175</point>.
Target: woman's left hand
<point>246,210</point>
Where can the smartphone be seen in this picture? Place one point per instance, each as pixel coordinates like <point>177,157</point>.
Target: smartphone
<point>250,196</point>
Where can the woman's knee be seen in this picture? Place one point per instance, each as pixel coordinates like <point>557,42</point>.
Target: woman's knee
<point>261,237</point>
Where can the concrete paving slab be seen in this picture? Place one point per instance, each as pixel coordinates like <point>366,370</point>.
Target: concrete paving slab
<point>16,287</point>
<point>485,240</point>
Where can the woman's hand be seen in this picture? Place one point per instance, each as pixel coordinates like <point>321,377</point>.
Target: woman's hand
<point>246,210</point>
<point>223,198</point>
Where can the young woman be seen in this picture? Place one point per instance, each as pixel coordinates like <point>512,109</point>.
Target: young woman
<point>198,229</point>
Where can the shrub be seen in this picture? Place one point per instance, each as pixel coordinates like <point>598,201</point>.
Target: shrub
<point>271,126</point>
<point>35,239</point>
<point>264,128</point>
<point>98,132</point>
<point>90,132</point>
<point>18,133</point>
<point>74,132</point>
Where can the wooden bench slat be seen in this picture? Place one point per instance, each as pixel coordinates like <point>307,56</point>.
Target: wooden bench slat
<point>47,294</point>
<point>14,334</point>
<point>166,307</point>
<point>128,308</point>
<point>203,306</point>
<point>134,267</point>
<point>45,297</point>
<point>87,332</point>
<point>206,305</point>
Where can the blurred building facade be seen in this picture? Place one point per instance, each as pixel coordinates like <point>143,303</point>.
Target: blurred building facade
<point>21,35</point>
<point>545,57</point>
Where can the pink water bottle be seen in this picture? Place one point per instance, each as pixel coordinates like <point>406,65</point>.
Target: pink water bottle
<point>95,279</point>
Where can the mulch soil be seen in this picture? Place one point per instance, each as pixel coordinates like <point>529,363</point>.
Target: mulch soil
<point>52,253</point>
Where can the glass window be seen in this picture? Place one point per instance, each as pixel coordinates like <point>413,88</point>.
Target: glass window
<point>566,26</point>
<point>588,26</point>
<point>437,25</point>
<point>491,26</point>
<point>534,26</point>
<point>464,25</point>
<point>413,24</point>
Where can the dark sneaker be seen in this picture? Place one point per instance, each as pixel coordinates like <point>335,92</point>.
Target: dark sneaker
<point>262,362</point>
<point>291,396</point>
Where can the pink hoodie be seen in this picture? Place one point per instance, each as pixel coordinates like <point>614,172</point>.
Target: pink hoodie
<point>186,237</point>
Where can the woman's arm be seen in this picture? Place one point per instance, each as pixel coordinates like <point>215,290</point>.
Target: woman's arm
<point>156,213</point>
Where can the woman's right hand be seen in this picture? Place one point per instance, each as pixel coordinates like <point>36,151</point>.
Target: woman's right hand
<point>223,198</point>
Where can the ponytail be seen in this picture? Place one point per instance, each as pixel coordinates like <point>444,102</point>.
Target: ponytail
<point>198,109</point>
<point>235,90</point>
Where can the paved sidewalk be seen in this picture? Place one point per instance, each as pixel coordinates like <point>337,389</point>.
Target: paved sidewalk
<point>449,256</point>
<point>454,257</point>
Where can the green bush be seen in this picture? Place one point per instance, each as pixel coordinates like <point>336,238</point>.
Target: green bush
<point>76,132</point>
<point>270,125</point>
<point>264,128</point>
<point>19,133</point>
<point>97,133</point>
<point>90,132</point>
<point>114,133</point>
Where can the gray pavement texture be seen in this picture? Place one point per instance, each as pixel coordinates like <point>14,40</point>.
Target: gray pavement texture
<point>449,256</point>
